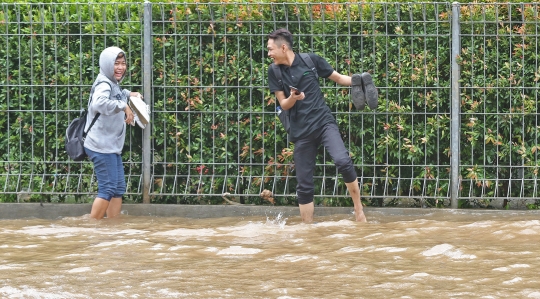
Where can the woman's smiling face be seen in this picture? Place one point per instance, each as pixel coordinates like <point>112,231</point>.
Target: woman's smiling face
<point>119,68</point>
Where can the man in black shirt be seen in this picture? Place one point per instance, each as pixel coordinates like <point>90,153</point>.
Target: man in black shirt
<point>311,121</point>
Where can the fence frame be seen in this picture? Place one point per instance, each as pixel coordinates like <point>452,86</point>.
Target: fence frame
<point>456,90</point>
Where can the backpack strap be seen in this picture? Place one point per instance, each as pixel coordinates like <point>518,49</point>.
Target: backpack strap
<point>91,124</point>
<point>97,114</point>
<point>277,72</point>
<point>93,89</point>
<point>309,62</point>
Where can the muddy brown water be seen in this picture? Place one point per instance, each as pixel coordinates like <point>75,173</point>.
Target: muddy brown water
<point>439,254</point>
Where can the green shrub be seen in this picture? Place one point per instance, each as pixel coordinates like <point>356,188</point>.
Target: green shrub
<point>214,123</point>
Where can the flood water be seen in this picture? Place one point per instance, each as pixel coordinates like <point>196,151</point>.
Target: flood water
<point>443,254</point>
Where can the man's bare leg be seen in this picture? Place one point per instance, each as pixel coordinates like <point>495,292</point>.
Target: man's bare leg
<point>354,191</point>
<point>306,211</point>
<point>99,207</point>
<point>115,207</point>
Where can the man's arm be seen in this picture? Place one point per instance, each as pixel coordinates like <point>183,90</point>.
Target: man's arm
<point>288,103</point>
<point>340,79</point>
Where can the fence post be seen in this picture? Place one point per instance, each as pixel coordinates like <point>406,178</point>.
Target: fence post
<point>147,90</point>
<point>455,109</point>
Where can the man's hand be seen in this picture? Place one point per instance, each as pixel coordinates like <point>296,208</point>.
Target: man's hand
<point>296,96</point>
<point>287,103</point>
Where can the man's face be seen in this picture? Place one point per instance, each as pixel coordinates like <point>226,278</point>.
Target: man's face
<point>119,68</point>
<point>276,52</point>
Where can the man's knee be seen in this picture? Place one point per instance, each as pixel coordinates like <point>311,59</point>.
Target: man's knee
<point>304,201</point>
<point>346,168</point>
<point>343,162</point>
<point>305,194</point>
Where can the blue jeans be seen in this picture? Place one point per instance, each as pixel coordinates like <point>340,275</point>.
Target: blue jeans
<point>110,174</point>
<point>305,154</point>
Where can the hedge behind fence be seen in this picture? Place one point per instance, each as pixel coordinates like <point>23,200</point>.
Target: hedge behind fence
<point>214,120</point>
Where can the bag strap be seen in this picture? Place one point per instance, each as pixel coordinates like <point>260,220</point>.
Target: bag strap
<point>93,89</point>
<point>97,114</point>
<point>91,124</point>
<point>309,62</point>
<point>277,72</point>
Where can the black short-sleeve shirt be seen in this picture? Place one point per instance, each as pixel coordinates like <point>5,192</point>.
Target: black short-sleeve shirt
<point>311,113</point>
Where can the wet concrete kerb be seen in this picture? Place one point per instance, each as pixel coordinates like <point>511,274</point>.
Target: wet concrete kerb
<point>56,211</point>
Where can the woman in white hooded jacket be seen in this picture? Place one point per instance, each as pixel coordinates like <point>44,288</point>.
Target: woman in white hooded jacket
<point>105,140</point>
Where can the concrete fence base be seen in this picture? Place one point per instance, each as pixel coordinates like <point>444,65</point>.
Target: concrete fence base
<point>56,211</point>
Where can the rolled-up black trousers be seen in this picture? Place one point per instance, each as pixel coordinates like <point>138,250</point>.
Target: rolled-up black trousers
<point>305,154</point>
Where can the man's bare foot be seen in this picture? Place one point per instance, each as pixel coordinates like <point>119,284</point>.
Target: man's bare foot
<point>359,214</point>
<point>306,211</point>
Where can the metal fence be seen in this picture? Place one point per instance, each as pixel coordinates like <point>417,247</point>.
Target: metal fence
<point>164,161</point>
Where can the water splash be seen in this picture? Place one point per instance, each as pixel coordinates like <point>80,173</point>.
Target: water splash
<point>280,220</point>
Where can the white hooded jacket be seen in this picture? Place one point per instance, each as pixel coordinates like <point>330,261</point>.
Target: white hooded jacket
<point>107,98</point>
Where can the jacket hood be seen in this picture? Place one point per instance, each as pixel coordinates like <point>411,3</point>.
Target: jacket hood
<point>107,60</point>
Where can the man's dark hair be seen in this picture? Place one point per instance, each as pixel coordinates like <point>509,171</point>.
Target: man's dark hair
<point>282,36</point>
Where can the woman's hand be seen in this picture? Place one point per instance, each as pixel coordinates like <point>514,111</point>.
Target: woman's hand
<point>129,115</point>
<point>135,94</point>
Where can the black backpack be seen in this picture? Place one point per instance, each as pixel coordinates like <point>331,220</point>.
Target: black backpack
<point>75,136</point>
<point>284,115</point>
